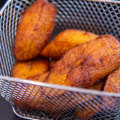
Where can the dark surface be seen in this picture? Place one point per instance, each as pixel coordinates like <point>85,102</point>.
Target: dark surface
<point>6,112</point>
<point>2,2</point>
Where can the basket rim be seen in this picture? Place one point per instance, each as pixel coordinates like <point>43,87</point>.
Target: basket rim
<point>61,87</point>
<point>19,115</point>
<point>109,1</point>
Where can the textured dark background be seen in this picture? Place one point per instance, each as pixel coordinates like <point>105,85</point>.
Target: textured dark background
<point>6,112</point>
<point>2,2</point>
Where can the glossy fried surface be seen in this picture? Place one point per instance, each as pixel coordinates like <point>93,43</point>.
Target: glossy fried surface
<point>39,77</point>
<point>66,40</point>
<point>35,97</point>
<point>52,63</point>
<point>28,96</point>
<point>30,68</point>
<point>86,112</point>
<point>112,85</point>
<point>97,86</point>
<point>34,30</point>
<point>32,97</point>
<point>113,82</point>
<point>87,63</point>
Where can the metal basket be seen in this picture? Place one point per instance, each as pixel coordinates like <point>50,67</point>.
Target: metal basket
<point>100,17</point>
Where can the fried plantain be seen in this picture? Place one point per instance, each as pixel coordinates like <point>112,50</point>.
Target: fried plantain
<point>52,63</point>
<point>112,85</point>
<point>87,63</point>
<point>34,30</point>
<point>87,111</point>
<point>33,97</point>
<point>39,77</point>
<point>28,96</point>
<point>66,40</point>
<point>97,86</point>
<point>30,68</point>
<point>113,82</point>
<point>107,103</point>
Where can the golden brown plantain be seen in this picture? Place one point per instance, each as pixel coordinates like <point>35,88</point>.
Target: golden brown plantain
<point>28,96</point>
<point>113,82</point>
<point>112,85</point>
<point>32,97</point>
<point>52,63</point>
<point>30,68</point>
<point>87,111</point>
<point>87,63</point>
<point>97,86</point>
<point>34,30</point>
<point>66,40</point>
<point>108,103</point>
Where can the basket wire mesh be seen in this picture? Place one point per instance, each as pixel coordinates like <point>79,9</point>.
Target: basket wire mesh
<point>31,99</point>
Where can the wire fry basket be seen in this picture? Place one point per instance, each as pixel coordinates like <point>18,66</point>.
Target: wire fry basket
<point>31,99</point>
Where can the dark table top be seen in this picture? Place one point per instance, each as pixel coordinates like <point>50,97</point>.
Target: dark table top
<point>6,112</point>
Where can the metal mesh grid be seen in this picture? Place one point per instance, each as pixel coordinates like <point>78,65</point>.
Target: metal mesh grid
<point>31,100</point>
<point>94,16</point>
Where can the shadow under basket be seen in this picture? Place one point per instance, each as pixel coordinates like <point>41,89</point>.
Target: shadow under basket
<point>30,99</point>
